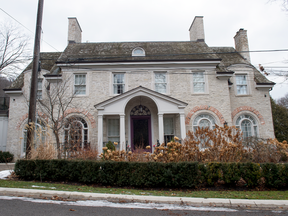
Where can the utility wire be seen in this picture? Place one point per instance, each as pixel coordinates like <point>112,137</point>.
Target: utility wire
<point>26,28</point>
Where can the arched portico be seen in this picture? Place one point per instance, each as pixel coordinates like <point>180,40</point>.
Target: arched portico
<point>120,107</point>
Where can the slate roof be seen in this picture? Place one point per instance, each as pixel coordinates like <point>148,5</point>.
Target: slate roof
<point>155,51</point>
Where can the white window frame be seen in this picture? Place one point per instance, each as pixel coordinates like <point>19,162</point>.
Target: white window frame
<point>236,85</point>
<point>204,117</point>
<point>253,121</point>
<point>166,81</point>
<point>205,82</point>
<point>138,51</point>
<point>78,119</point>
<point>125,82</point>
<point>74,84</point>
<point>107,127</point>
<point>173,122</point>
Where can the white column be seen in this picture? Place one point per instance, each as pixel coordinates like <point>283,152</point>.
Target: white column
<point>100,133</point>
<point>161,128</point>
<point>182,126</point>
<point>122,133</point>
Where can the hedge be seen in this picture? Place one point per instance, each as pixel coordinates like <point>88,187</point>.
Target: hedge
<point>6,157</point>
<point>154,174</point>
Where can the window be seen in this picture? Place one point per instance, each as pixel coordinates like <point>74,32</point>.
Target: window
<point>198,82</point>
<point>138,52</point>
<point>80,84</point>
<point>76,133</point>
<point>118,83</point>
<point>39,89</point>
<point>241,84</point>
<point>248,125</point>
<point>114,131</point>
<point>168,129</point>
<point>161,83</point>
<point>204,121</point>
<point>39,135</point>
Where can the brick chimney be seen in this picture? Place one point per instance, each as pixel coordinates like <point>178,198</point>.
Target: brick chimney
<point>241,43</point>
<point>74,31</point>
<point>197,29</point>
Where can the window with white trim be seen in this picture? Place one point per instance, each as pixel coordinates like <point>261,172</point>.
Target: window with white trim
<point>114,131</point>
<point>138,51</point>
<point>241,84</point>
<point>169,132</point>
<point>161,82</point>
<point>76,133</point>
<point>199,82</point>
<point>118,83</point>
<point>204,121</point>
<point>39,89</point>
<point>80,84</point>
<point>248,125</point>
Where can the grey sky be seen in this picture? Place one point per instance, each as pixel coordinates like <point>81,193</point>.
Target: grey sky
<point>162,20</point>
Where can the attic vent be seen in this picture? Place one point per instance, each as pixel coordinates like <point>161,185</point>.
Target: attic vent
<point>138,51</point>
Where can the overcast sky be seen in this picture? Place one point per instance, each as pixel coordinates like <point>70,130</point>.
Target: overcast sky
<point>162,20</point>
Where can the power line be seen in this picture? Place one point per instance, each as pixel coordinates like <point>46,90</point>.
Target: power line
<point>26,28</point>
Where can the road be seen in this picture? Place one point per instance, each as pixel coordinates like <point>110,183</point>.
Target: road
<point>33,207</point>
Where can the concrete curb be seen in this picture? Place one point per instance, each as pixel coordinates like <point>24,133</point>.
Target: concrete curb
<point>36,193</point>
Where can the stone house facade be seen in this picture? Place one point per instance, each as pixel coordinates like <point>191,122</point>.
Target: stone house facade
<point>141,93</point>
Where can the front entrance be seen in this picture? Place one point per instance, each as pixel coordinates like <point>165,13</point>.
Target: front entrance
<point>140,129</point>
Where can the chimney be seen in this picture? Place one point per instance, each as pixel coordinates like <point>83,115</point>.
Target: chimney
<point>241,43</point>
<point>197,29</point>
<point>74,31</point>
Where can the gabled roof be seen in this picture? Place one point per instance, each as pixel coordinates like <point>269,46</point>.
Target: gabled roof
<point>137,89</point>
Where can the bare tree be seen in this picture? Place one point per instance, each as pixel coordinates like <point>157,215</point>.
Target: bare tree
<point>283,101</point>
<point>284,3</point>
<point>56,100</point>
<point>13,50</point>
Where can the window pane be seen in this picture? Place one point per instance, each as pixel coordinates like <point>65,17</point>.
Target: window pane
<point>161,88</point>
<point>241,80</point>
<point>118,78</point>
<point>246,128</point>
<point>160,77</point>
<point>241,89</point>
<point>204,123</point>
<point>199,87</point>
<point>168,126</point>
<point>113,127</point>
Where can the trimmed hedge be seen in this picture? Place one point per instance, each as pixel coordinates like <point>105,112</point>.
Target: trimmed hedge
<point>6,157</point>
<point>154,174</point>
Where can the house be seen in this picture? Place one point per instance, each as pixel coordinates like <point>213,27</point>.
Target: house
<point>141,93</point>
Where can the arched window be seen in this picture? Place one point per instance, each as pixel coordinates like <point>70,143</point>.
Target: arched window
<point>138,51</point>
<point>248,125</point>
<point>76,133</point>
<point>204,121</point>
<point>39,135</point>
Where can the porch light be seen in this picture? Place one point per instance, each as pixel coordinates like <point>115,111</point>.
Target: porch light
<point>225,124</point>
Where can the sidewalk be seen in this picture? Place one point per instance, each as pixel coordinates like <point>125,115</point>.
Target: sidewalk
<point>35,193</point>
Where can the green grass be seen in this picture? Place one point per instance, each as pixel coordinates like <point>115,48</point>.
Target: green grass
<point>277,195</point>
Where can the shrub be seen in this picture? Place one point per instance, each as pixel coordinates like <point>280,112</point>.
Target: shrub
<point>6,157</point>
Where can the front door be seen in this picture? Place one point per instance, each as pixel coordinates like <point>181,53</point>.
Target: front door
<point>141,132</point>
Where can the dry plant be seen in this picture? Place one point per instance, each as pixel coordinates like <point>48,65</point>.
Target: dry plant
<point>41,149</point>
<point>84,154</point>
<point>205,145</point>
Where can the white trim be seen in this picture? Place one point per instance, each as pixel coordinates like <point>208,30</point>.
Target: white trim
<point>13,92</point>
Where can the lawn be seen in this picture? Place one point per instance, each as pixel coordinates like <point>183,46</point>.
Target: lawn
<point>203,193</point>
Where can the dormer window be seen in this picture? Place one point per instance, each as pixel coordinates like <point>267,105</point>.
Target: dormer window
<point>138,51</point>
